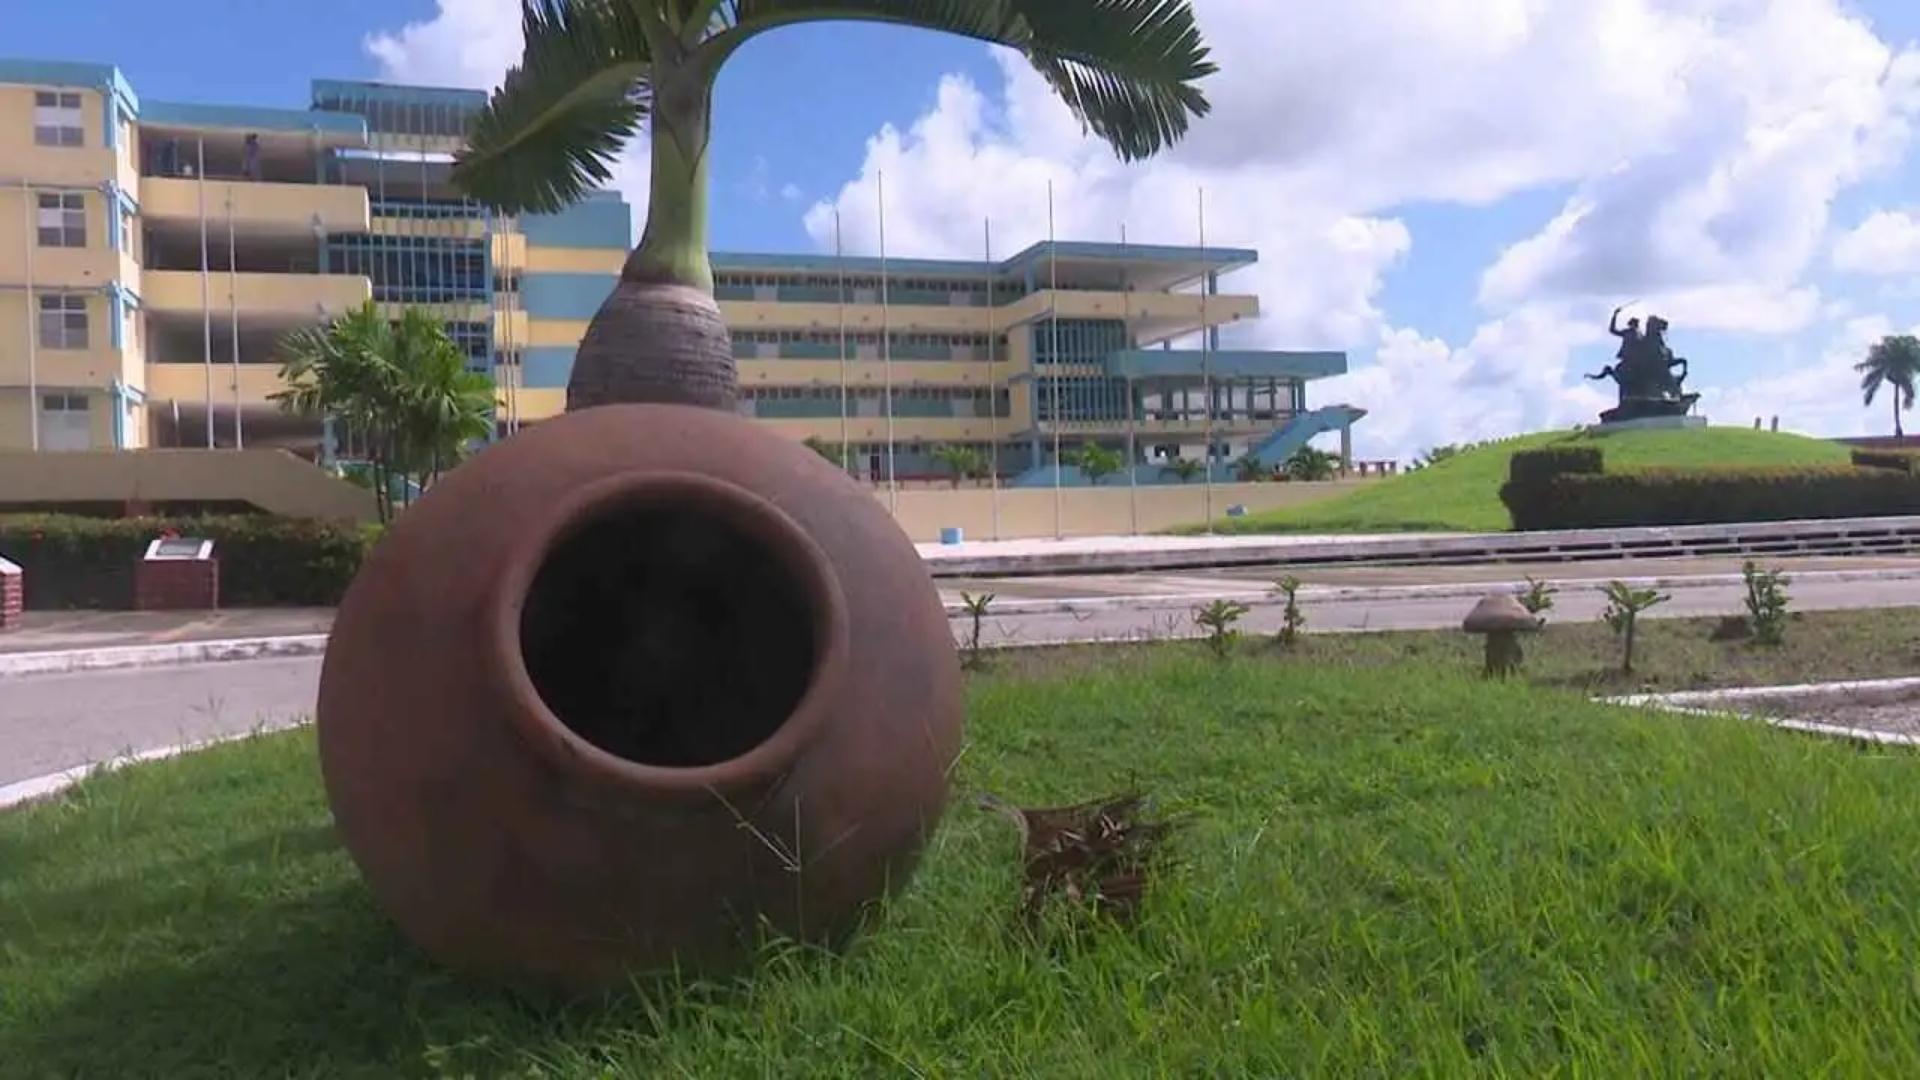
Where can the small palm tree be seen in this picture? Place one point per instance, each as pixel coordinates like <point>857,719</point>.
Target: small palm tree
<point>1097,462</point>
<point>592,72</point>
<point>1310,463</point>
<point>1892,361</point>
<point>962,462</point>
<point>402,389</point>
<point>1184,468</point>
<point>444,408</point>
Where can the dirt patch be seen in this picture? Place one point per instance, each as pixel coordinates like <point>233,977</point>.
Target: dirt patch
<point>1894,712</point>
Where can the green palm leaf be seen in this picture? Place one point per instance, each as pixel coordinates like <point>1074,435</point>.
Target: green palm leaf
<point>578,94</point>
<point>1127,68</point>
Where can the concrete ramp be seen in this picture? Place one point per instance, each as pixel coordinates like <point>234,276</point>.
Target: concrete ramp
<point>155,481</point>
<point>1274,450</point>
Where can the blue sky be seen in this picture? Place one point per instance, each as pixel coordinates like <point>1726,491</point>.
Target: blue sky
<point>1453,192</point>
<point>837,84</point>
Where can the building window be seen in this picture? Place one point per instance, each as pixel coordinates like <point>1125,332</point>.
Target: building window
<point>63,321</point>
<point>63,220</point>
<point>56,119</point>
<point>54,403</point>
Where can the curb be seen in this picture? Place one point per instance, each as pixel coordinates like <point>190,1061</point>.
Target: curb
<point>1702,702</point>
<point>73,661</point>
<point>34,789</point>
<point>1358,593</point>
<point>1836,536</point>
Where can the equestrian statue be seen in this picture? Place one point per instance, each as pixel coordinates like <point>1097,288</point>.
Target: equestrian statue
<point>1645,371</point>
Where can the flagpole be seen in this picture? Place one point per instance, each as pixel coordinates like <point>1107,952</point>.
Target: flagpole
<point>206,298</point>
<point>233,320</point>
<point>1053,327</point>
<point>1206,351</point>
<point>886,340</point>
<point>29,236</point>
<point>993,386</point>
<point>840,263</point>
<point>1126,326</point>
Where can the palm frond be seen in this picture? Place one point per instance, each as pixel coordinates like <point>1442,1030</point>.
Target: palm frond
<point>580,91</point>
<point>1127,68</point>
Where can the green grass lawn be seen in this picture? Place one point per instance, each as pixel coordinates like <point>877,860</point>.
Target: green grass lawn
<point>1410,873</point>
<point>1463,493</point>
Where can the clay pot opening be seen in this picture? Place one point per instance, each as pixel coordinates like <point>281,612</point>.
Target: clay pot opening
<point>680,625</point>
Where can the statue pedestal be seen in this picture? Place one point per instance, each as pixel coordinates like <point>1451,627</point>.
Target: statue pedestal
<point>1650,423</point>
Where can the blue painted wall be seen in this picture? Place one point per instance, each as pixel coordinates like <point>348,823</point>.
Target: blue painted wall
<point>564,296</point>
<point>601,220</point>
<point>546,366</point>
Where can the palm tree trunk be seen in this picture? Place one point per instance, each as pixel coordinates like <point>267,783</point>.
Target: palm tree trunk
<point>1897,433</point>
<point>659,336</point>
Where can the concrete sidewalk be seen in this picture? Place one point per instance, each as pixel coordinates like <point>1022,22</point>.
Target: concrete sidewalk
<point>65,631</point>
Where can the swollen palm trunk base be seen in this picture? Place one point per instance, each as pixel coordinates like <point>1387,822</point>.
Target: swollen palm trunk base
<point>655,343</point>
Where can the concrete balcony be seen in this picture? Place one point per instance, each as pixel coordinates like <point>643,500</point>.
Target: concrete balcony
<point>258,208</point>
<point>188,382</point>
<point>906,429</point>
<point>768,314</point>
<point>1153,315</point>
<point>870,373</point>
<point>263,299</point>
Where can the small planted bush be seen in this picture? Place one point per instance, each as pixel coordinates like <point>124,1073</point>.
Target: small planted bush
<point>1537,597</point>
<point>1218,619</point>
<point>1766,603</point>
<point>1293,621</point>
<point>1624,607</point>
<point>974,659</point>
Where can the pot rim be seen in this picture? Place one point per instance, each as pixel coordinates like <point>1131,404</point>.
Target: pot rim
<point>758,517</point>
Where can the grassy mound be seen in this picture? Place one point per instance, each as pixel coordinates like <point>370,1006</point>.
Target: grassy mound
<point>1463,492</point>
<point>1414,873</point>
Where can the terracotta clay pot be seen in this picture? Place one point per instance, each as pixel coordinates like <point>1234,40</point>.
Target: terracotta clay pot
<point>631,683</point>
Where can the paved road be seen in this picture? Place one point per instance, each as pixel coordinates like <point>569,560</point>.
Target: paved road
<point>53,722</point>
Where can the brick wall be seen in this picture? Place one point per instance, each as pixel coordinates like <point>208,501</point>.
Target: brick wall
<point>176,585</point>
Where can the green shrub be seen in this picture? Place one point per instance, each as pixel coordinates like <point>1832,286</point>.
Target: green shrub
<point>1900,460</point>
<point>1529,466</point>
<point>1710,496</point>
<point>265,561</point>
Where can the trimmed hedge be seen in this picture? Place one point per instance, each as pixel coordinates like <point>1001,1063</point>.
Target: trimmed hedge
<point>81,562</point>
<point>1710,496</point>
<point>1530,466</point>
<point>1903,460</point>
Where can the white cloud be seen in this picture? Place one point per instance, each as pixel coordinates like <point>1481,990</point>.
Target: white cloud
<point>472,43</point>
<point>1786,103</point>
<point>1703,141</point>
<point>1816,395</point>
<point>1514,375</point>
<point>1887,242</point>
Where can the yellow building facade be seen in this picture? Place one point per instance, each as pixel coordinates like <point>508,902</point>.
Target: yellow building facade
<point>154,254</point>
